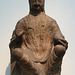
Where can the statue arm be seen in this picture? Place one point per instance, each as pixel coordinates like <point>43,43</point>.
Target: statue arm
<point>60,44</point>
<point>19,29</point>
<point>16,39</point>
<point>20,55</point>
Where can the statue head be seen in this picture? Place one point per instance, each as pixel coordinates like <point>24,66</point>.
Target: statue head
<point>36,6</point>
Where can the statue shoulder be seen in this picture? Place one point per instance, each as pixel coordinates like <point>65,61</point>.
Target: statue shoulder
<point>23,20</point>
<point>50,21</point>
<point>20,27</point>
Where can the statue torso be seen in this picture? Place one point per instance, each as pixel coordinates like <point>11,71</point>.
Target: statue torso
<point>38,41</point>
<point>38,34</point>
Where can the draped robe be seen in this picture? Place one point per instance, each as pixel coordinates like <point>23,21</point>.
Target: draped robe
<point>36,36</point>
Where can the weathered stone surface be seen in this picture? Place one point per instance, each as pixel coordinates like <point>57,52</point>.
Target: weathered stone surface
<point>37,45</point>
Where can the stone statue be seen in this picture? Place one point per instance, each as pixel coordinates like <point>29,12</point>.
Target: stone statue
<point>37,45</point>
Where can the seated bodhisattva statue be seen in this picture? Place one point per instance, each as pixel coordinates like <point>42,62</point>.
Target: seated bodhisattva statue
<point>37,45</point>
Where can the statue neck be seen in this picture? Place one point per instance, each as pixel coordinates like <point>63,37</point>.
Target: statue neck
<point>35,14</point>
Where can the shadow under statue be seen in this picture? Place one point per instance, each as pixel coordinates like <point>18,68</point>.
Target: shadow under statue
<point>8,69</point>
<point>37,45</point>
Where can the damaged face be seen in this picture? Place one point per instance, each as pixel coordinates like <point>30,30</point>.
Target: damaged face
<point>36,5</point>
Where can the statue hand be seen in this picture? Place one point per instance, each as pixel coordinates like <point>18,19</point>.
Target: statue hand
<point>64,43</point>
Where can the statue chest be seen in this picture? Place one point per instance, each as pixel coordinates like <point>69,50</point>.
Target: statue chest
<point>39,28</point>
<point>38,34</point>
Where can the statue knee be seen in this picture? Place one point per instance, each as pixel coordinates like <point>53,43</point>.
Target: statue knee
<point>17,53</point>
<point>59,50</point>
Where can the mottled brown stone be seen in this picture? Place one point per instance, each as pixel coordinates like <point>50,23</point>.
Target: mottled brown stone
<point>37,45</point>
